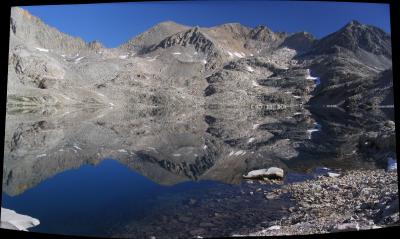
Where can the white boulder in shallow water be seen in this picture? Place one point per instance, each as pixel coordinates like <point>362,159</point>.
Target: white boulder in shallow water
<point>12,220</point>
<point>271,173</point>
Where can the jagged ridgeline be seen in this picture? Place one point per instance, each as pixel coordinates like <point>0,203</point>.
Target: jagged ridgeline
<point>174,65</point>
<point>180,99</point>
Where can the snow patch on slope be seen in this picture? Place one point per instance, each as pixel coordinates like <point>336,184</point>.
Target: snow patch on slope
<point>42,49</point>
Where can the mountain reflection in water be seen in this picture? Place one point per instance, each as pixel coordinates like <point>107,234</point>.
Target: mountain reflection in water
<point>162,158</point>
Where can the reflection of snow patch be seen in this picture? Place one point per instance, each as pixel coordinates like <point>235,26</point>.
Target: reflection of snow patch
<point>12,220</point>
<point>176,155</point>
<point>230,54</point>
<point>251,140</point>
<point>41,155</point>
<point>298,113</point>
<point>111,104</point>
<point>42,49</point>
<point>122,151</point>
<point>77,147</point>
<point>297,97</point>
<point>176,53</point>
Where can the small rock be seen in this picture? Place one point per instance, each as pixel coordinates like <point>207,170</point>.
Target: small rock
<point>390,124</point>
<point>206,224</point>
<point>275,227</point>
<point>184,219</point>
<point>332,175</point>
<point>192,201</point>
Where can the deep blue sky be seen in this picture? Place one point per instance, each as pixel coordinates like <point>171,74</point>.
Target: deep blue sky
<point>115,23</point>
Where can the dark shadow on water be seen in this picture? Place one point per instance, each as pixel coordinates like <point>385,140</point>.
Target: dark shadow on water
<point>91,199</point>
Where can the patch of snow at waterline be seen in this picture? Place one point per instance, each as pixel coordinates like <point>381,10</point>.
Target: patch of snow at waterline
<point>251,140</point>
<point>288,92</point>
<point>249,68</point>
<point>63,55</point>
<point>251,55</point>
<point>205,147</point>
<point>315,79</point>
<point>123,56</point>
<point>195,53</point>
<point>176,53</point>
<point>310,131</point>
<point>122,151</point>
<point>42,49</point>
<point>41,155</point>
<point>100,94</point>
<point>298,113</point>
<point>230,54</point>
<point>204,61</point>
<point>297,97</point>
<point>12,220</point>
<point>111,104</point>
<point>176,155</point>
<point>77,147</point>
<point>255,126</point>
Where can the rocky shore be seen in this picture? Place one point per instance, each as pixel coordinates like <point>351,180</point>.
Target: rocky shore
<point>354,200</point>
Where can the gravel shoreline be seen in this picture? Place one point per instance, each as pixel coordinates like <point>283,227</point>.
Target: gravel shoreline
<point>355,200</point>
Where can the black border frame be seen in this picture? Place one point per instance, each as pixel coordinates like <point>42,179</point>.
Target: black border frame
<point>5,21</point>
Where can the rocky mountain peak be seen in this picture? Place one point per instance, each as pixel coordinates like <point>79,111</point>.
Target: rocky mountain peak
<point>153,36</point>
<point>301,41</point>
<point>31,30</point>
<point>354,37</point>
<point>95,45</point>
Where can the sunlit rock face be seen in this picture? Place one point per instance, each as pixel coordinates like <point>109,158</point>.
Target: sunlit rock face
<point>180,103</point>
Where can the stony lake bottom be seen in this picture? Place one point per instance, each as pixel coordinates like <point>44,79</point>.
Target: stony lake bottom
<point>156,172</point>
